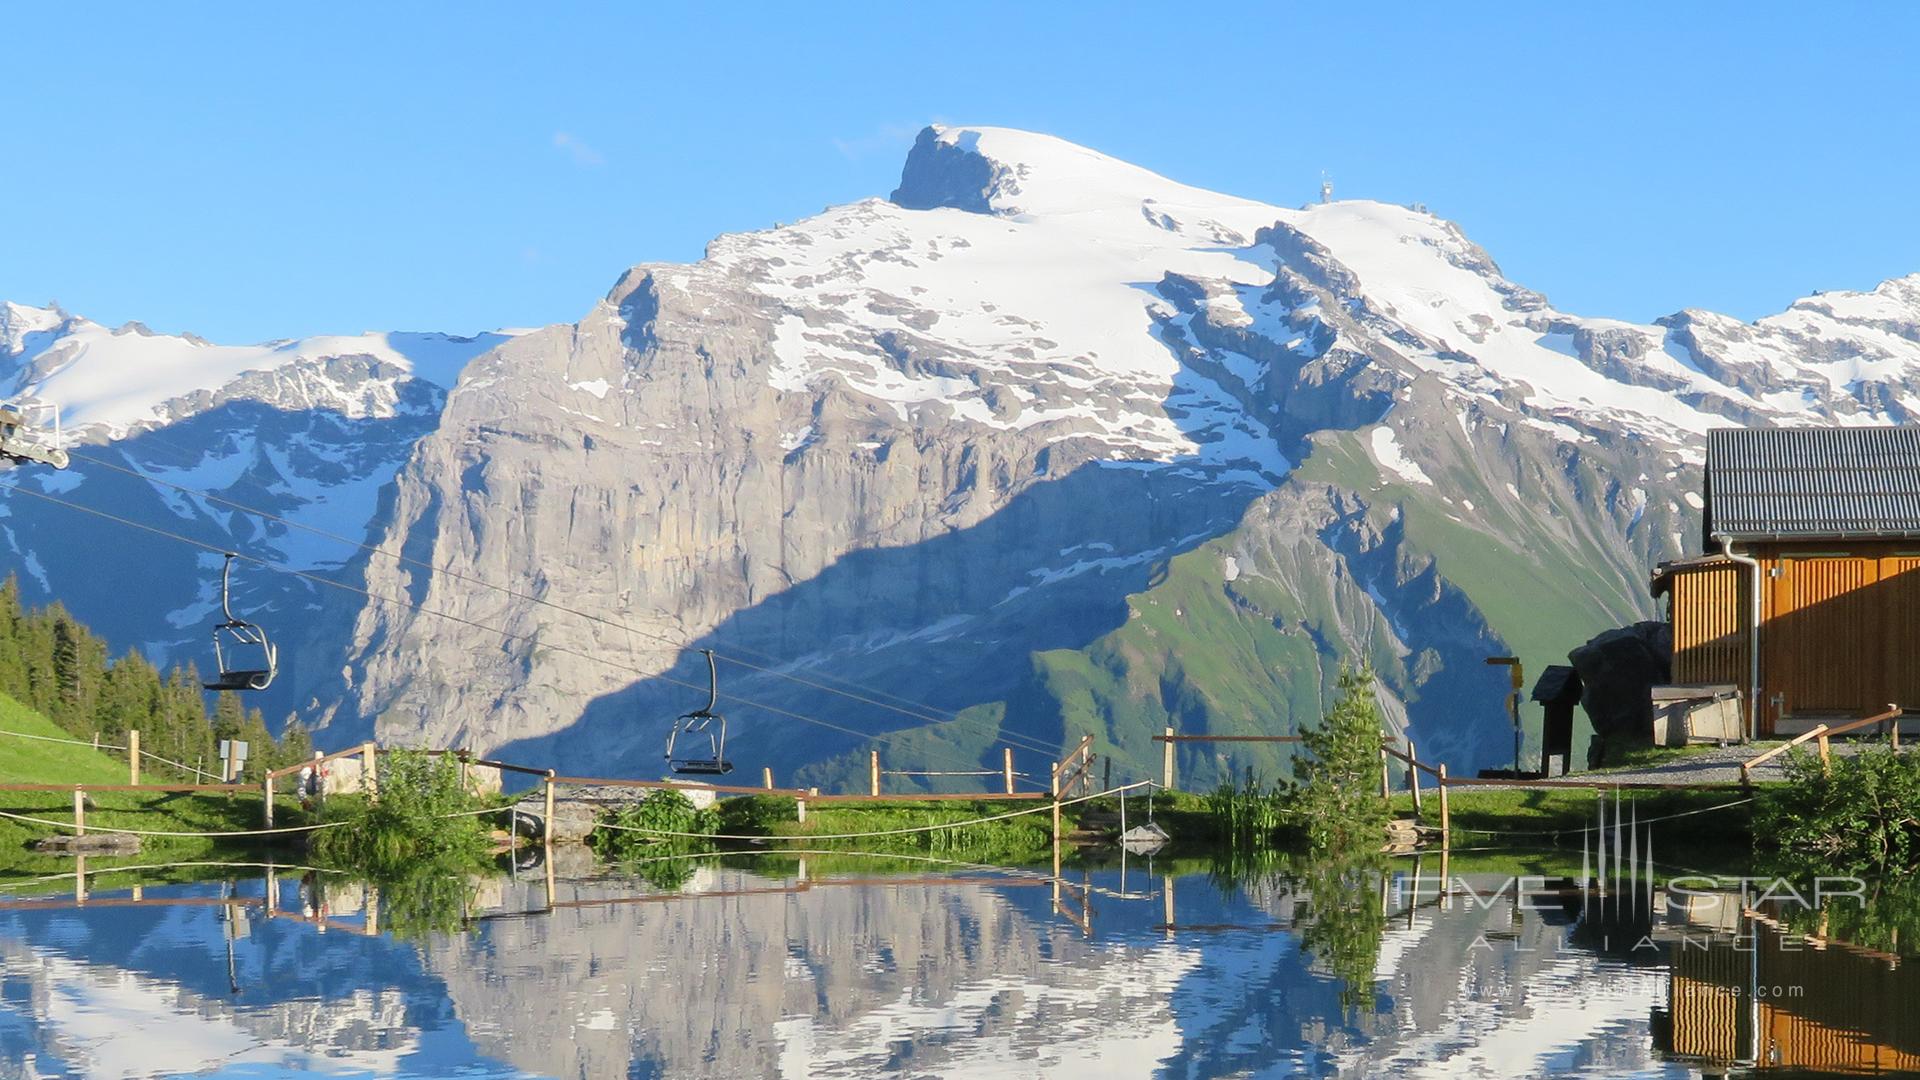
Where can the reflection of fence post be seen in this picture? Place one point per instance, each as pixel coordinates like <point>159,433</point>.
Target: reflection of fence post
<point>1006,767</point>
<point>370,771</point>
<point>79,810</point>
<point>1166,762</point>
<point>873,772</point>
<point>133,756</point>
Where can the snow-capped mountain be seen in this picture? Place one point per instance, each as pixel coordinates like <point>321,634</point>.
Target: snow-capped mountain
<point>1044,440</point>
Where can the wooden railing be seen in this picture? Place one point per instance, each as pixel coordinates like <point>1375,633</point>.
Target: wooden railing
<point>1167,739</point>
<point>1823,733</point>
<point>1414,768</point>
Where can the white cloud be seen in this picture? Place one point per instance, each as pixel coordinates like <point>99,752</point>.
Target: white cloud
<point>582,154</point>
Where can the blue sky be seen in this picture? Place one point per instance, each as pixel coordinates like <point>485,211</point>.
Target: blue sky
<point>257,171</point>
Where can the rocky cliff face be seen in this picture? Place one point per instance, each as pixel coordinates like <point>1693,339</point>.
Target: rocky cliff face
<point>1044,444</point>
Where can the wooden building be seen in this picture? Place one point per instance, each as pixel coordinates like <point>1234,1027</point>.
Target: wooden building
<point>1823,524</point>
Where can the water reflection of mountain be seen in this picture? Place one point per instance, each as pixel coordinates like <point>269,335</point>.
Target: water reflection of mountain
<point>146,990</point>
<point>742,975</point>
<point>981,980</point>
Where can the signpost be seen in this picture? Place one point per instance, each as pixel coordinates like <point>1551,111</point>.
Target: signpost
<point>233,757</point>
<point>1512,664</point>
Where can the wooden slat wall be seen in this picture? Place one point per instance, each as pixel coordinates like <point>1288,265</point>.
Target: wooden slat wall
<point>1821,635</point>
<point>1841,633</point>
<point>1709,625</point>
<point>1900,652</point>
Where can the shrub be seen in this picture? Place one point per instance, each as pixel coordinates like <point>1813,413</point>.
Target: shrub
<point>1860,814</point>
<point>647,826</point>
<point>424,814</point>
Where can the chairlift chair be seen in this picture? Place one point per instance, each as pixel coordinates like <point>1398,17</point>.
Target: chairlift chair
<point>238,637</point>
<point>24,434</point>
<point>702,721</point>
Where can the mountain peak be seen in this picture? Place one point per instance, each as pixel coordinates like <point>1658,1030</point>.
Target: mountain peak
<point>993,170</point>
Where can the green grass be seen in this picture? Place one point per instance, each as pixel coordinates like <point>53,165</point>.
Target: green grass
<point>1553,817</point>
<point>30,761</point>
<point>1026,838</point>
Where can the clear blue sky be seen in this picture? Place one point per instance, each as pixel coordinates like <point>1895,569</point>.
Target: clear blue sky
<point>257,171</point>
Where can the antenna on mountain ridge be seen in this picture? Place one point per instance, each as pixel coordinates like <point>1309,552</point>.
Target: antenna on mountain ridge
<point>1326,187</point>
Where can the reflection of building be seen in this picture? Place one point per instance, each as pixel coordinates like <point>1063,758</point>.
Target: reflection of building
<point>1777,1001</point>
<point>1827,522</point>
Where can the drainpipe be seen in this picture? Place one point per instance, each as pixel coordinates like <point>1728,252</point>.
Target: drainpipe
<point>1753,636</point>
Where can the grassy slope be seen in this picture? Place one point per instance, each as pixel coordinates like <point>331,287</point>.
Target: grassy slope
<point>30,761</point>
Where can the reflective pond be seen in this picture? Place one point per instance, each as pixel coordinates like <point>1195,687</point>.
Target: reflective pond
<point>837,965</point>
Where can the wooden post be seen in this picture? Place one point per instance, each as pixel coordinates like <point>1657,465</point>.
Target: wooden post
<point>800,809</point>
<point>1386,776</point>
<point>1006,767</point>
<point>1826,756</point>
<point>133,756</point>
<point>1446,822</point>
<point>873,772</point>
<point>266,814</point>
<point>370,771</point>
<point>546,826</point>
<point>1413,777</point>
<point>1166,762</point>
<point>766,777</point>
<point>465,773</point>
<point>79,810</point>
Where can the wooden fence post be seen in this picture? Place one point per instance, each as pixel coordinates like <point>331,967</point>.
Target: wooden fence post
<point>1386,776</point>
<point>1446,822</point>
<point>1826,756</point>
<point>370,771</point>
<point>133,756</point>
<point>266,814</point>
<point>873,772</point>
<point>546,826</point>
<point>1006,767</point>
<point>766,777</point>
<point>1413,776</point>
<point>79,810</point>
<point>1166,762</point>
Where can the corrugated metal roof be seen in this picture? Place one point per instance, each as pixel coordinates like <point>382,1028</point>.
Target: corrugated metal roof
<point>1813,483</point>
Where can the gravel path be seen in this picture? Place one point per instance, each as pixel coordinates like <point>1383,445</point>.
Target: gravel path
<point>1713,765</point>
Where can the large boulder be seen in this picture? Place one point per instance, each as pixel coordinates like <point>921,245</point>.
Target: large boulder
<point>1618,671</point>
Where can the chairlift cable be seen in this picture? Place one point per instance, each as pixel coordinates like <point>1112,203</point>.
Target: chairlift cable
<point>1019,742</point>
<point>882,737</point>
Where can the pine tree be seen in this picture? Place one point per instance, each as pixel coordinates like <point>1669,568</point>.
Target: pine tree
<point>295,744</point>
<point>13,661</point>
<point>1339,793</point>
